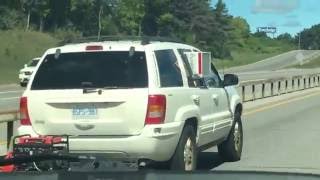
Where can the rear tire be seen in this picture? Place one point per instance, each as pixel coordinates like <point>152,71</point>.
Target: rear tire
<point>185,156</point>
<point>231,149</point>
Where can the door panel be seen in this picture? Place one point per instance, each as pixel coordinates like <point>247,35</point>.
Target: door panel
<point>223,117</point>
<point>206,123</point>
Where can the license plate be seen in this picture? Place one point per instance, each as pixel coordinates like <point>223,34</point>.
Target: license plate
<point>84,112</point>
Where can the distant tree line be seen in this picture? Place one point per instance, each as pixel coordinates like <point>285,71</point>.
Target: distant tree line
<point>193,21</point>
<point>310,38</point>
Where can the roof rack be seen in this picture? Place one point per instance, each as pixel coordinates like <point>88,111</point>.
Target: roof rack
<point>144,39</point>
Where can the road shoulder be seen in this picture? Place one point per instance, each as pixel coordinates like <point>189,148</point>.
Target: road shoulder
<point>271,102</point>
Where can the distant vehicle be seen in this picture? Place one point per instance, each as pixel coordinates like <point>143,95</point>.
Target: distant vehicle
<point>25,73</point>
<point>153,102</point>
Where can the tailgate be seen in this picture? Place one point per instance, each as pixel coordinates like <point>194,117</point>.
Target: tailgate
<point>62,112</point>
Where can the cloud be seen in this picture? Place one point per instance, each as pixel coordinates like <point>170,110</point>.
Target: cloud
<point>292,16</point>
<point>312,6</point>
<point>292,23</point>
<point>275,6</point>
<point>311,9</point>
<point>272,24</point>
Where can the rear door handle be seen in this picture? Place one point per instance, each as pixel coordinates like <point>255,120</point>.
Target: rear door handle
<point>215,98</point>
<point>196,99</point>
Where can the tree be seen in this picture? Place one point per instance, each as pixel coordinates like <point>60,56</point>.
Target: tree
<point>260,34</point>
<point>131,13</point>
<point>12,4</point>
<point>193,19</point>
<point>28,7</point>
<point>240,31</point>
<point>43,10</point>
<point>9,19</point>
<point>87,11</point>
<point>165,23</point>
<point>285,37</point>
<point>103,5</point>
<point>309,38</point>
<point>59,16</point>
<point>221,30</point>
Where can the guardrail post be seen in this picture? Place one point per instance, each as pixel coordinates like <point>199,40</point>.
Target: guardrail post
<point>279,88</point>
<point>243,93</point>
<point>9,132</point>
<point>309,84</point>
<point>262,89</point>
<point>298,83</point>
<point>271,88</point>
<point>292,85</point>
<point>314,81</point>
<point>286,87</point>
<point>304,83</point>
<point>253,92</point>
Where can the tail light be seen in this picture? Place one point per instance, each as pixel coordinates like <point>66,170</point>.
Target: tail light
<point>24,115</point>
<point>156,110</point>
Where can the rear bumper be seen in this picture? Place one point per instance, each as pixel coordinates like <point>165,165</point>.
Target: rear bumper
<point>156,142</point>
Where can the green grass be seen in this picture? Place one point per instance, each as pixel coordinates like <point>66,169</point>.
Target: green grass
<point>17,48</point>
<point>315,63</point>
<point>254,50</point>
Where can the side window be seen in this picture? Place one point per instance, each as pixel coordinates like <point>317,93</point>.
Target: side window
<point>187,66</point>
<point>214,80</point>
<point>169,70</point>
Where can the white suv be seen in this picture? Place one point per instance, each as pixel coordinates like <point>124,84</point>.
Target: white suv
<point>127,99</point>
<point>26,71</point>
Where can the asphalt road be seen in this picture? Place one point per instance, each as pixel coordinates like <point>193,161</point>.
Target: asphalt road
<point>277,62</point>
<point>9,97</point>
<point>283,137</point>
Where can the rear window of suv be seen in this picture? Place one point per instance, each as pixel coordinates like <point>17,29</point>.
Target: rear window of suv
<point>169,70</point>
<point>99,69</point>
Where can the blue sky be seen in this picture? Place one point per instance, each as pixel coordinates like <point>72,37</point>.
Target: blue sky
<point>290,16</point>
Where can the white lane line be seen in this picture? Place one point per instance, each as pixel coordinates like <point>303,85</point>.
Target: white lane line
<point>10,98</point>
<point>7,92</point>
<point>255,72</point>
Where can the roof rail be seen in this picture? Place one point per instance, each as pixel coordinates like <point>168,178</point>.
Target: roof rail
<point>144,39</point>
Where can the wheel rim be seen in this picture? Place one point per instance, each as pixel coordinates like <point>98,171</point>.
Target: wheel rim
<point>188,155</point>
<point>237,136</point>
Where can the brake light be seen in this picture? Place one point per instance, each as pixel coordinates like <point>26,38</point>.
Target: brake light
<point>24,114</point>
<point>200,63</point>
<point>94,48</point>
<point>156,110</point>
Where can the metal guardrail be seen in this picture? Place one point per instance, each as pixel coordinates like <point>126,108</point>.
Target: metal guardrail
<point>259,89</point>
<point>276,87</point>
